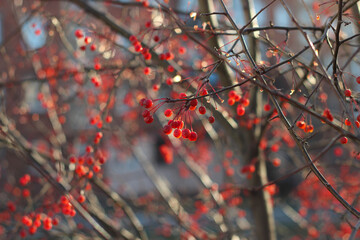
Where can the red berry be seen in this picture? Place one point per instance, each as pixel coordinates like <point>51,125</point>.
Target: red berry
<point>168,113</point>
<point>231,101</point>
<point>169,56</point>
<point>108,119</point>
<point>32,230</point>
<point>348,93</point>
<point>89,149</point>
<point>79,33</point>
<point>149,119</point>
<point>81,199</point>
<point>358,80</point>
<point>147,71</point>
<point>245,102</point>
<point>177,133</point>
<point>156,38</point>
<point>156,87</point>
<point>240,110</point>
<point>87,40</point>
<point>147,56</point>
<point>175,124</point>
<point>138,47</point>
<point>96,168</point>
<point>142,101</point>
<point>148,24</point>
<point>202,110</point>
<point>232,94</point>
<point>193,136</point>
<point>99,135</point>
<point>301,124</point>
<point>347,122</point>
<point>204,92</point>
<point>167,129</point>
<point>267,107</point>
<point>193,103</point>
<point>97,66</point>
<point>211,119</point>
<point>309,128</point>
<point>169,81</point>
<point>132,38</point>
<point>148,103</point>
<point>170,68</point>
<point>55,221</point>
<point>182,95</point>
<point>186,133</point>
<point>276,162</point>
<point>145,113</point>
<point>344,140</point>
<point>182,50</point>
<point>22,233</point>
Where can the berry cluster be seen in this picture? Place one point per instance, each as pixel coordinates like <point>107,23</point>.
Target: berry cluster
<point>177,126</point>
<point>147,103</point>
<point>139,48</point>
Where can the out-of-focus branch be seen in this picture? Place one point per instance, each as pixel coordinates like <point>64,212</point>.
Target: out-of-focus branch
<point>43,167</point>
<point>119,201</point>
